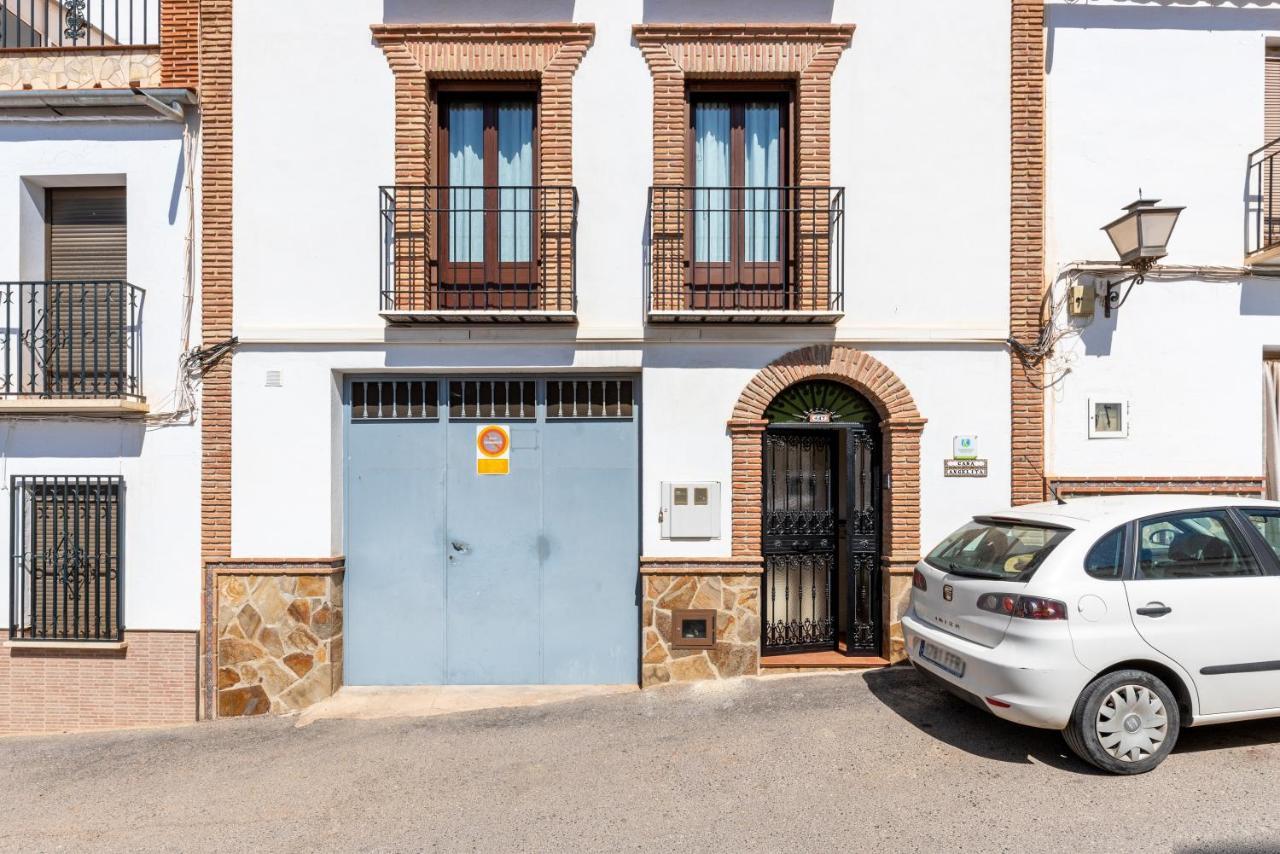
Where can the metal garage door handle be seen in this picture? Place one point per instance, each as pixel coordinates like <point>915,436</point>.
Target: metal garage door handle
<point>1154,609</point>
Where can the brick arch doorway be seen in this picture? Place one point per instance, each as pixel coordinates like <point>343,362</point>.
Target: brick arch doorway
<point>900,427</point>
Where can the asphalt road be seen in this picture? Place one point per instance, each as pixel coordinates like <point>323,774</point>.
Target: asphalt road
<point>845,762</point>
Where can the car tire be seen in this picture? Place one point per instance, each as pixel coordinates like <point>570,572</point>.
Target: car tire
<point>1124,722</point>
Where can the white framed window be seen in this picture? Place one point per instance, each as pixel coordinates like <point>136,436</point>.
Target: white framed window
<point>1108,418</point>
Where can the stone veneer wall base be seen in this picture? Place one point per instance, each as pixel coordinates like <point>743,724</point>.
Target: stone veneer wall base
<point>279,641</point>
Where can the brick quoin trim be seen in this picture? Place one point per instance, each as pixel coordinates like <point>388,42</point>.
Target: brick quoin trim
<point>901,426</point>
<point>180,43</point>
<point>421,53</point>
<point>1026,246</point>
<point>215,309</point>
<point>150,683</point>
<point>1250,487</point>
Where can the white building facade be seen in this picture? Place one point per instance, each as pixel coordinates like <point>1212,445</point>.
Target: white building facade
<point>631,342</point>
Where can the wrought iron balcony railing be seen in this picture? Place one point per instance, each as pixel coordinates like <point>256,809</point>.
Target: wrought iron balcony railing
<point>745,253</point>
<point>78,23</point>
<point>478,253</point>
<point>67,564</point>
<point>71,340</point>
<point>1263,202</point>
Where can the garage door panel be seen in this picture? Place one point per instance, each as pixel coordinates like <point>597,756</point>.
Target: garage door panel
<point>494,527</point>
<point>590,611</point>
<point>395,534</point>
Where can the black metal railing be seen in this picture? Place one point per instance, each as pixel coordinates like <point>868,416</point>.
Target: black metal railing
<point>744,249</point>
<point>71,340</point>
<point>1263,199</point>
<point>78,23</point>
<point>477,249</point>
<point>67,565</point>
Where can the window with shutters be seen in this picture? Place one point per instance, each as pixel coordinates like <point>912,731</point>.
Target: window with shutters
<point>74,333</point>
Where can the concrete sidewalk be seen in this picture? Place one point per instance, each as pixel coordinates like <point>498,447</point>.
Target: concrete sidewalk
<point>373,703</point>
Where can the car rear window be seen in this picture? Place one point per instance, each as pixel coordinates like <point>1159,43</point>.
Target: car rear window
<point>996,549</point>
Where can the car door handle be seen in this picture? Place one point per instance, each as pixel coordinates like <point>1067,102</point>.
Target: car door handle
<point>1154,609</point>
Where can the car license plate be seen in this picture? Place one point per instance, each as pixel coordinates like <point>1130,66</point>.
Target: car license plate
<point>948,661</point>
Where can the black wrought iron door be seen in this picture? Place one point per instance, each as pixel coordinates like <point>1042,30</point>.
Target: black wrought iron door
<point>799,540</point>
<point>861,548</point>
<point>821,540</point>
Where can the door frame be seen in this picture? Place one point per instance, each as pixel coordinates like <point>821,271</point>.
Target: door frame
<point>842,434</point>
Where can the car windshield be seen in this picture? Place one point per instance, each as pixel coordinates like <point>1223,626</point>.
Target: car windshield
<point>996,549</point>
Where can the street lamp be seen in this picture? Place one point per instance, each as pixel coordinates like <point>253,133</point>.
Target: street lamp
<point>1141,238</point>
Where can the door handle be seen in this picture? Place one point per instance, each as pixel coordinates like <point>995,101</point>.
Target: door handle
<point>1154,609</point>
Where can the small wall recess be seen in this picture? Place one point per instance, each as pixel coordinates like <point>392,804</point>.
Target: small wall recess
<point>693,629</point>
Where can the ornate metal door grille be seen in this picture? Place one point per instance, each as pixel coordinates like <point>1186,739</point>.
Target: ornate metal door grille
<point>799,541</point>
<point>821,540</point>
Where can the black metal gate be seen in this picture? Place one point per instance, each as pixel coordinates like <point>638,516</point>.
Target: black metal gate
<point>821,539</point>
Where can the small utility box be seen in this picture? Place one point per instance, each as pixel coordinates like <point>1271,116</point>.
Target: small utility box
<point>691,510</point>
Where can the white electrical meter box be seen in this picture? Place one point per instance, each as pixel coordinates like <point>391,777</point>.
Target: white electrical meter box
<point>691,510</point>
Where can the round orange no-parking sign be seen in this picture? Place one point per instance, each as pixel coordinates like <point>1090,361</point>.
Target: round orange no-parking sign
<point>492,441</point>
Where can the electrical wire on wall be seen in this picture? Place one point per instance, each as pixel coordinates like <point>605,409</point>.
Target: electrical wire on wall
<point>1057,324</point>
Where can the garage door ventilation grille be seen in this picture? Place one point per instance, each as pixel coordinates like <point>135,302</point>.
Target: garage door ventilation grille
<point>594,399</point>
<point>394,400</point>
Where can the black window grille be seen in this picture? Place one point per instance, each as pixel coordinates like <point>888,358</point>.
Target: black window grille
<point>67,537</point>
<point>509,400</point>
<point>595,399</point>
<point>394,400</point>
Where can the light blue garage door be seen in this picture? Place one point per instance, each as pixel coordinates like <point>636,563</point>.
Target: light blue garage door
<point>458,577</point>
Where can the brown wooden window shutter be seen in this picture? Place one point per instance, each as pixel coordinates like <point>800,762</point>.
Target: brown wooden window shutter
<point>86,319</point>
<point>87,234</point>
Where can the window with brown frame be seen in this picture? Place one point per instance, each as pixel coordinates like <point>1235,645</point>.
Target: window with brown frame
<point>488,198</point>
<point>739,169</point>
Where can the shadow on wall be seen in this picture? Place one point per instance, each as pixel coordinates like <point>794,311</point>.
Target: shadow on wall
<point>475,11</point>
<point>77,439</point>
<point>1204,15</point>
<point>1096,334</point>
<point>737,11</point>
<point>1260,298</point>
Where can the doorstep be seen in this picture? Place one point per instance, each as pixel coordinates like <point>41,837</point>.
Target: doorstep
<point>359,702</point>
<point>826,660</point>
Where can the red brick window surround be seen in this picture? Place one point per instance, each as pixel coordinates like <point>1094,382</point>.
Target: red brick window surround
<point>424,55</point>
<point>800,58</point>
<point>432,63</point>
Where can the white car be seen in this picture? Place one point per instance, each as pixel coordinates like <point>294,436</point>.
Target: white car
<point>1118,620</point>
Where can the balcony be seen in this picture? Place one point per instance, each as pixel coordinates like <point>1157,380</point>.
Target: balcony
<point>478,254</point>
<point>71,348</point>
<point>87,46</point>
<point>1262,211</point>
<point>745,254</point>
<point>79,24</point>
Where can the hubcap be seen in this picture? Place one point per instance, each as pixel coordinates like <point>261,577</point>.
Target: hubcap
<point>1132,723</point>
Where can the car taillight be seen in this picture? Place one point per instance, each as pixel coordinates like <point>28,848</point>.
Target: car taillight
<point>1025,607</point>
<point>917,580</point>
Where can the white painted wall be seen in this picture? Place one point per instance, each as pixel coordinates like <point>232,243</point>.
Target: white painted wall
<point>1169,98</point>
<point>160,465</point>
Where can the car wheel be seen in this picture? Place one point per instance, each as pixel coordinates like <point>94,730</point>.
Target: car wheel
<point>1125,722</point>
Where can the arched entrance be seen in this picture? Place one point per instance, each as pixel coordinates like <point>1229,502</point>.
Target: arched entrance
<point>896,453</point>
<point>820,522</point>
